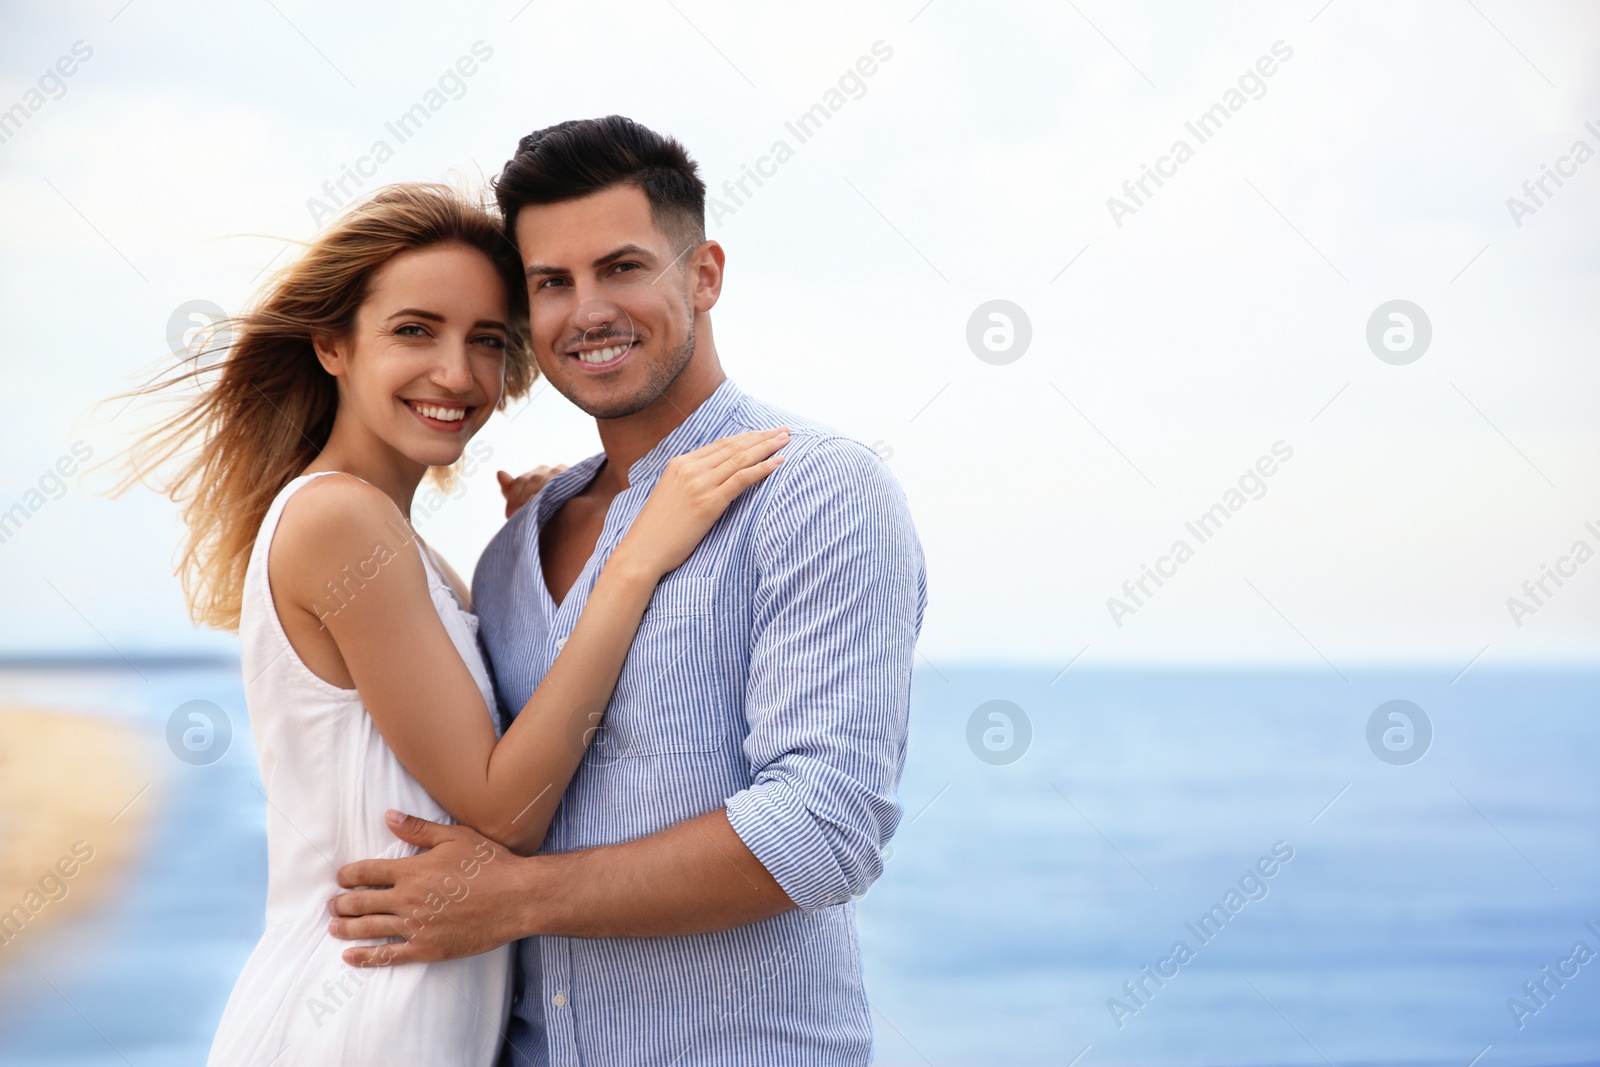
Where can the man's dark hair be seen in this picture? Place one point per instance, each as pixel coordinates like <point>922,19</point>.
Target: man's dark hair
<point>583,156</point>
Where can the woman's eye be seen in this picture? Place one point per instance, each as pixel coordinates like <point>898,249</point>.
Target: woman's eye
<point>402,330</point>
<point>491,340</point>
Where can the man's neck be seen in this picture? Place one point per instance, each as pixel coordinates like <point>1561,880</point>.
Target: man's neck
<point>630,438</point>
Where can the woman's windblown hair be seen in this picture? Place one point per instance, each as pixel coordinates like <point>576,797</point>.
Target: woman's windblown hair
<point>255,407</point>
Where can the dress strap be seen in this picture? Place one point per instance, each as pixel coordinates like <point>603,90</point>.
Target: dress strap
<point>429,561</point>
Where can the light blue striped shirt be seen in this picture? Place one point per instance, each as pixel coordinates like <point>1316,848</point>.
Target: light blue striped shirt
<point>770,674</point>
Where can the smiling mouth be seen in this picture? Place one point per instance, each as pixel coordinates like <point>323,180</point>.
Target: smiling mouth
<point>447,417</point>
<point>605,356</point>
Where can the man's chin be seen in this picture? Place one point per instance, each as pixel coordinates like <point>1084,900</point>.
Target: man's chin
<point>616,403</point>
<point>625,395</point>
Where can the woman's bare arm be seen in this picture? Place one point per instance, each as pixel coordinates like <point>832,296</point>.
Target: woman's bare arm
<point>418,691</point>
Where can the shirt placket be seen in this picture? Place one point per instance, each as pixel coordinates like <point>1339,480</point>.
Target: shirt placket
<point>555,953</point>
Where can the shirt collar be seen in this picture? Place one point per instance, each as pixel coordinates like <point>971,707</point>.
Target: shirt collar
<point>564,486</point>
<point>701,428</point>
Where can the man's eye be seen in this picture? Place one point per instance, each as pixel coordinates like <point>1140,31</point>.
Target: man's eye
<point>625,266</point>
<point>548,282</point>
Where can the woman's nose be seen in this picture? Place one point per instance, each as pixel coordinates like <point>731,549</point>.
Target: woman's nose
<point>454,370</point>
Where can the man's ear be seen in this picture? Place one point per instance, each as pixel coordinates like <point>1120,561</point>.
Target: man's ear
<point>705,273</point>
<point>331,353</point>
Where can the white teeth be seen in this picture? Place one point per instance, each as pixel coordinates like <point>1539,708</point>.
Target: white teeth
<point>603,355</point>
<point>442,414</point>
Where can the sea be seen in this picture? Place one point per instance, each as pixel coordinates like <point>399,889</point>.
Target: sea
<point>1094,867</point>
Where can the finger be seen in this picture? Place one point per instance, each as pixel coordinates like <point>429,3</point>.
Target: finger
<point>381,955</point>
<point>504,478</point>
<point>723,447</point>
<point>366,927</point>
<point>741,480</point>
<point>737,450</point>
<point>533,481</point>
<point>363,902</point>
<point>751,453</point>
<point>366,872</point>
<point>419,831</point>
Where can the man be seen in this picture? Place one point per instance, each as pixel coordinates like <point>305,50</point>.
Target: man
<point>692,902</point>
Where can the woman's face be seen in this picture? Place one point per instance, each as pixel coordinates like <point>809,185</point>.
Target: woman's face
<point>424,364</point>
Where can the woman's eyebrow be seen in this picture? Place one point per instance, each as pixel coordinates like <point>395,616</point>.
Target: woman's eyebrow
<point>419,313</point>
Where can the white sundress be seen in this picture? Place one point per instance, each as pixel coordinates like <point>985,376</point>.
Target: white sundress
<point>329,776</point>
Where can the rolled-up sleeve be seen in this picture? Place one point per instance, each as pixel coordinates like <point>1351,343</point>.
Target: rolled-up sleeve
<point>839,602</point>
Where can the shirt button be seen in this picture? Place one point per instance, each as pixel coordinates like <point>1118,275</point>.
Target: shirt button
<point>559,1000</point>
<point>561,642</point>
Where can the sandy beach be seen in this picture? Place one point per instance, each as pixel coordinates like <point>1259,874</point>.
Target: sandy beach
<point>76,795</point>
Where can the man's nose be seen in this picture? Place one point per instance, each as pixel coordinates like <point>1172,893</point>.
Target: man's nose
<point>595,318</point>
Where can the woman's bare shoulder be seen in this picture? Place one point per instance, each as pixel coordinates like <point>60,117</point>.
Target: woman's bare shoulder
<point>334,520</point>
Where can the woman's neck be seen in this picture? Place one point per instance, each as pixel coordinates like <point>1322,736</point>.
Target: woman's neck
<point>374,462</point>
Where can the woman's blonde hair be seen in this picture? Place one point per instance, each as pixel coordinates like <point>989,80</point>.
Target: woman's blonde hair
<point>263,411</point>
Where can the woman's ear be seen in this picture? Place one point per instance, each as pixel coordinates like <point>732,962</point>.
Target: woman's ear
<point>331,353</point>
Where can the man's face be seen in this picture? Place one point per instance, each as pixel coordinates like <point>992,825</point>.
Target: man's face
<point>610,300</point>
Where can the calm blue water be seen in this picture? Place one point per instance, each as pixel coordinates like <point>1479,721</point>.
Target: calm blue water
<point>1019,898</point>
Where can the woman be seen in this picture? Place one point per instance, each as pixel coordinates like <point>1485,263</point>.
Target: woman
<point>365,365</point>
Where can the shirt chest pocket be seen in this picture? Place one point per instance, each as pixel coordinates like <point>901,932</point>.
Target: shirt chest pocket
<point>665,700</point>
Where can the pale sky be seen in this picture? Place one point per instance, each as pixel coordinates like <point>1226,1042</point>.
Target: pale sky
<point>1168,354</point>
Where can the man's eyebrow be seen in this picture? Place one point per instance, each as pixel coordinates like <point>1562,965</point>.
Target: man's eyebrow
<point>543,270</point>
<point>625,250</point>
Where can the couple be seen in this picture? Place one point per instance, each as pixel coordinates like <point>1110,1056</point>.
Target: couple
<point>612,807</point>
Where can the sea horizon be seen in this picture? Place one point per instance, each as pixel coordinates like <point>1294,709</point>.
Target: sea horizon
<point>1022,897</point>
